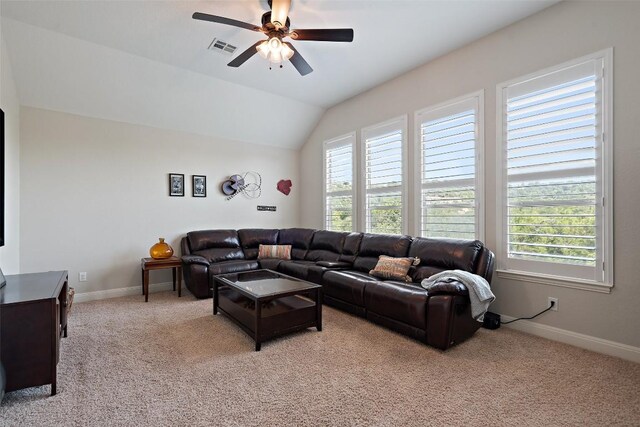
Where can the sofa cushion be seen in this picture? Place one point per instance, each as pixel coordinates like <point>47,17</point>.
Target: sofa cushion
<point>252,238</point>
<point>269,263</point>
<point>437,255</point>
<point>390,268</point>
<point>274,251</point>
<point>298,238</point>
<point>348,286</point>
<point>326,246</point>
<point>232,266</point>
<point>298,268</point>
<point>350,247</point>
<point>374,245</point>
<point>205,239</point>
<point>338,265</point>
<point>194,259</point>
<point>399,301</point>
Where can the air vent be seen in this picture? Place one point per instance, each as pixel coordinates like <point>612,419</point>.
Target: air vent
<point>217,45</point>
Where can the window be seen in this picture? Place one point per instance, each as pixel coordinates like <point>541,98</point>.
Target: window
<point>339,183</point>
<point>556,163</point>
<point>383,159</point>
<point>449,145</point>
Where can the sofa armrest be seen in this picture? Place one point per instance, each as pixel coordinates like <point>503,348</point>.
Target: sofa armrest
<point>449,288</point>
<point>184,246</point>
<point>195,259</point>
<point>449,320</point>
<point>335,265</point>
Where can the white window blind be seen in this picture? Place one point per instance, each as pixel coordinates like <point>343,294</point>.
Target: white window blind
<point>554,170</point>
<point>449,145</point>
<point>339,183</point>
<point>384,177</point>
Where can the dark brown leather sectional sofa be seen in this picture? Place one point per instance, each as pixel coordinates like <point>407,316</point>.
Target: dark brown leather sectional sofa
<point>340,262</point>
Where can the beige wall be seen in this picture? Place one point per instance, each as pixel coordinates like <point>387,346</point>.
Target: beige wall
<point>94,194</point>
<point>10,252</point>
<point>560,33</point>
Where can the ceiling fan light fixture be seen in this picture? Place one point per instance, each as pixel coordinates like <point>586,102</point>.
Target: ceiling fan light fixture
<point>286,51</point>
<point>275,57</point>
<point>263,49</point>
<point>275,44</point>
<point>274,50</point>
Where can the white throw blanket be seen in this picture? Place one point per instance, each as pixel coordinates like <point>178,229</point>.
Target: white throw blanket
<point>479,290</point>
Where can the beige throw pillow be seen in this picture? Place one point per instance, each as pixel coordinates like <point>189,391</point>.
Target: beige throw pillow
<point>274,251</point>
<point>394,268</point>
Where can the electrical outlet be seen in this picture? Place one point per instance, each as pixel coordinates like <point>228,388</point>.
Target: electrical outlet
<point>555,303</point>
<point>82,276</point>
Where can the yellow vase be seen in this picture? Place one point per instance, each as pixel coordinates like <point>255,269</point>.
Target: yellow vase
<point>161,250</point>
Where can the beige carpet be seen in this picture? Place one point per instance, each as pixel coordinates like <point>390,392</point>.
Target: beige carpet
<point>170,362</point>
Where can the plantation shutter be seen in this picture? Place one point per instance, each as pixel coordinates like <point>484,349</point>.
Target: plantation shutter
<point>339,186</point>
<point>449,139</point>
<point>383,160</point>
<point>553,143</point>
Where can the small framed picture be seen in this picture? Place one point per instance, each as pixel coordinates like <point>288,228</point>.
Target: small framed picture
<point>176,184</point>
<point>199,186</point>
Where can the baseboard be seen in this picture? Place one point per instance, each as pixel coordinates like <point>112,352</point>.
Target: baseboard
<point>121,292</point>
<point>587,342</point>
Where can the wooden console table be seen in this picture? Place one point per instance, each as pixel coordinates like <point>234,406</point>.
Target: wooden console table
<point>147,264</point>
<point>34,317</point>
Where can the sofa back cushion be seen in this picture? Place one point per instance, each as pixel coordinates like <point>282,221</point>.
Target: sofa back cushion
<point>252,238</point>
<point>205,239</point>
<point>437,255</point>
<point>351,247</point>
<point>326,246</point>
<point>374,245</point>
<point>215,245</point>
<point>298,238</point>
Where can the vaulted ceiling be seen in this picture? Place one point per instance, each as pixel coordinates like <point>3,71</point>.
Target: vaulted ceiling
<point>147,62</point>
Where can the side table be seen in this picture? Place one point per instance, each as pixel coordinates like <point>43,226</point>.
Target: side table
<point>148,264</point>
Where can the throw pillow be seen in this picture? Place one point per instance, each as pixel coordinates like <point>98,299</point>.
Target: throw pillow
<point>274,251</point>
<point>394,268</point>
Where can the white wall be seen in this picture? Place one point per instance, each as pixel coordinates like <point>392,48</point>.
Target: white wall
<point>61,73</point>
<point>10,252</point>
<point>560,33</point>
<point>95,197</point>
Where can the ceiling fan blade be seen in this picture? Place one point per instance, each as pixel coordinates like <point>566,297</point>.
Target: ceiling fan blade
<point>244,56</point>
<point>279,12</point>
<point>298,61</point>
<point>324,35</point>
<point>226,21</point>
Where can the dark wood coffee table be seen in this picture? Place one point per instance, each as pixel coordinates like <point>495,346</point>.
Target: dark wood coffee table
<point>267,304</point>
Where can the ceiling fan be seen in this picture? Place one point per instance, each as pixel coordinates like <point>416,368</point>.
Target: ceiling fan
<point>276,26</point>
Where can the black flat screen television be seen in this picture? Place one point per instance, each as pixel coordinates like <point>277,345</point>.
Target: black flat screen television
<point>2,178</point>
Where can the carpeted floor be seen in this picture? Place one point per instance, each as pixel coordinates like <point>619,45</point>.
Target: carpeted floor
<point>170,362</point>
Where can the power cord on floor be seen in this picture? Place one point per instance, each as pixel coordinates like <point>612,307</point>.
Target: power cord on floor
<point>552,303</point>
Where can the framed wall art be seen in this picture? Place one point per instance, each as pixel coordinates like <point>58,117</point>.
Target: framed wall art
<point>199,185</point>
<point>176,184</point>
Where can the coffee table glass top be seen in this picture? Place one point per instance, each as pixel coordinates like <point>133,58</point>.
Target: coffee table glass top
<point>264,283</point>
